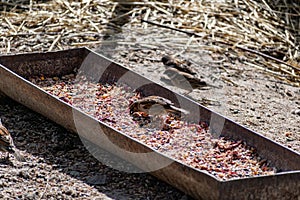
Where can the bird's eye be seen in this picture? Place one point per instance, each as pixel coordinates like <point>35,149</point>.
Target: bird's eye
<point>131,111</point>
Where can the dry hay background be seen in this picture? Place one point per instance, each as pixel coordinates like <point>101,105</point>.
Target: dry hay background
<point>261,33</point>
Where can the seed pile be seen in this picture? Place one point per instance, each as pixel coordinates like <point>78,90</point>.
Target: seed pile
<point>187,142</point>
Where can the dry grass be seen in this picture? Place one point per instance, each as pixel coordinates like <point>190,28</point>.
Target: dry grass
<point>261,33</point>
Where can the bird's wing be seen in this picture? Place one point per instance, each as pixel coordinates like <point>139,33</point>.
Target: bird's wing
<point>175,73</point>
<point>158,100</point>
<point>181,65</point>
<point>186,69</point>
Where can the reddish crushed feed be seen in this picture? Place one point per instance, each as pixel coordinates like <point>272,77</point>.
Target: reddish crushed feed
<point>187,142</point>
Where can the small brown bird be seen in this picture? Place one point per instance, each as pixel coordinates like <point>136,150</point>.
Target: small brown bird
<point>155,105</point>
<point>181,65</point>
<point>7,144</point>
<point>185,80</point>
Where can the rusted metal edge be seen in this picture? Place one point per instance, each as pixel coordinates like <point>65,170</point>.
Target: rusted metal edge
<point>197,183</point>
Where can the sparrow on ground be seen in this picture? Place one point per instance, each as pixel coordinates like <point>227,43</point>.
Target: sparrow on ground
<point>155,105</point>
<point>185,80</point>
<point>7,144</point>
<point>181,65</point>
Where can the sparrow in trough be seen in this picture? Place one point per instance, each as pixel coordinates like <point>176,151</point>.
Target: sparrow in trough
<point>155,105</point>
<point>7,144</point>
<point>181,65</point>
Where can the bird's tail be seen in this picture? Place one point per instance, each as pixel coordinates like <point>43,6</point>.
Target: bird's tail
<point>180,110</point>
<point>18,156</point>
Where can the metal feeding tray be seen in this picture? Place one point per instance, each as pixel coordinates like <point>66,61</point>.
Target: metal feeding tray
<point>16,69</point>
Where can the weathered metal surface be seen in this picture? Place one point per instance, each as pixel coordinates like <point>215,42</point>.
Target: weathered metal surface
<point>14,70</point>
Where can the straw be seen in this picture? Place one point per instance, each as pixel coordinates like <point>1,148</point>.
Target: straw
<point>265,29</point>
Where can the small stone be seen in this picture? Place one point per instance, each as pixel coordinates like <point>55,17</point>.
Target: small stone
<point>288,134</point>
<point>289,139</point>
<point>20,138</point>
<point>69,192</point>
<point>3,184</point>
<point>30,196</point>
<point>74,173</point>
<point>99,179</point>
<point>296,112</point>
<point>235,111</point>
<point>81,167</point>
<point>289,93</point>
<point>24,174</point>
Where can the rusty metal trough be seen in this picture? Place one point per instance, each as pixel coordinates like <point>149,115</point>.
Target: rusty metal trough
<point>15,69</point>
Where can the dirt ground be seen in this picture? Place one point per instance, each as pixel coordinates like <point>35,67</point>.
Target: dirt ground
<point>58,165</point>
